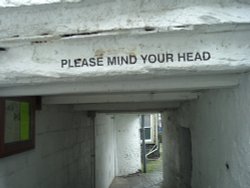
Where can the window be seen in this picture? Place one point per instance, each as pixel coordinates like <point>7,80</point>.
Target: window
<point>147,127</point>
<point>17,116</point>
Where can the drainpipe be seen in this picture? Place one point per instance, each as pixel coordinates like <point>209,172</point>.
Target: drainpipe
<point>143,144</point>
<point>92,115</point>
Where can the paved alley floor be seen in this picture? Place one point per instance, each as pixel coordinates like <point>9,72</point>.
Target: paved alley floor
<point>152,179</point>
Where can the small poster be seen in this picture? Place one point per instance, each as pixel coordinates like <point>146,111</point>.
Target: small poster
<point>17,121</point>
<point>24,121</point>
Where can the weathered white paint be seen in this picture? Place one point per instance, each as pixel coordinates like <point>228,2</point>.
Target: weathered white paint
<point>104,150</point>
<point>171,148</point>
<point>177,160</point>
<point>117,146</point>
<point>61,157</point>
<point>13,3</point>
<point>16,3</point>
<point>92,16</point>
<point>30,65</point>
<point>127,84</point>
<point>116,98</point>
<point>41,63</point>
<point>127,107</point>
<point>35,47</point>
<point>128,143</point>
<point>219,123</point>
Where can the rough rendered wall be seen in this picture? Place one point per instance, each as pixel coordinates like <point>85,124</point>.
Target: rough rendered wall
<point>176,152</point>
<point>117,147</point>
<point>61,158</point>
<point>105,152</point>
<point>170,150</point>
<point>169,3</point>
<point>14,3</point>
<point>128,144</point>
<point>220,129</point>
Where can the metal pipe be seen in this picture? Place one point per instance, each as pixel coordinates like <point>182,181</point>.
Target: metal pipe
<point>92,115</point>
<point>143,144</point>
<point>154,149</point>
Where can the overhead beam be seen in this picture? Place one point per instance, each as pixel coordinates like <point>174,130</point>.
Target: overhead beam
<point>173,84</point>
<point>113,98</point>
<point>197,15</point>
<point>127,107</point>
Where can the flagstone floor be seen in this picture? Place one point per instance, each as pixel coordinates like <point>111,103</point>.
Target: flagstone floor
<point>152,179</point>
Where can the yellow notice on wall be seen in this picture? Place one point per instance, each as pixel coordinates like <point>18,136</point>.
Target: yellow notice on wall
<point>25,121</point>
<point>12,122</point>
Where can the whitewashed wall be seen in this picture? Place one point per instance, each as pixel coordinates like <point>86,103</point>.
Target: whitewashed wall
<point>92,15</point>
<point>13,3</point>
<point>177,159</point>
<point>220,130</point>
<point>32,49</point>
<point>105,150</point>
<point>128,144</point>
<point>117,147</point>
<point>61,158</point>
<point>16,3</point>
<point>42,63</point>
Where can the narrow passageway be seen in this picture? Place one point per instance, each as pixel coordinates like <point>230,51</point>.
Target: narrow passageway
<point>122,163</point>
<point>79,80</point>
<point>152,179</point>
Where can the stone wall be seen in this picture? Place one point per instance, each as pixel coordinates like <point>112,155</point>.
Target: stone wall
<point>219,123</point>
<point>177,160</point>
<point>61,158</point>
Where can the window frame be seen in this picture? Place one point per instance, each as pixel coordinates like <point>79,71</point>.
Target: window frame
<point>150,127</point>
<point>7,149</point>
